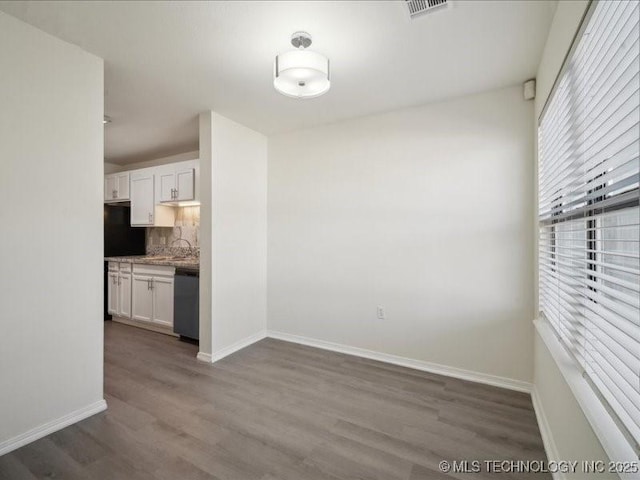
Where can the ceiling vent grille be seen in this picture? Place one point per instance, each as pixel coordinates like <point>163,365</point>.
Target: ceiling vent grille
<point>418,7</point>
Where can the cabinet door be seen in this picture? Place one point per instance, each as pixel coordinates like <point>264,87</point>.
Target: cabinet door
<point>163,300</point>
<point>110,188</point>
<point>167,186</point>
<point>142,204</point>
<point>124,295</point>
<point>122,185</point>
<point>112,293</point>
<point>185,181</point>
<point>141,298</point>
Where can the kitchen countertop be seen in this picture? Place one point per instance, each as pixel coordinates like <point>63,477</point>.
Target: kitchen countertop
<point>191,263</point>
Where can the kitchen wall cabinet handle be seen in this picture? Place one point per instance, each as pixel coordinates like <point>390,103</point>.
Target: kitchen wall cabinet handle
<point>150,218</point>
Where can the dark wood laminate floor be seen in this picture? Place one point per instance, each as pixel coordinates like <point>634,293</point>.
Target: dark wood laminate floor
<point>277,410</point>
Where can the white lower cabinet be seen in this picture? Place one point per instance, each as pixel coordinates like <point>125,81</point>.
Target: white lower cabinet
<point>152,294</point>
<point>119,289</point>
<point>112,293</point>
<point>142,298</point>
<point>162,288</point>
<point>124,295</point>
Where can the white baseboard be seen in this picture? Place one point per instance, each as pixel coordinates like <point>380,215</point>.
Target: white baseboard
<point>430,367</point>
<point>545,432</point>
<point>52,426</point>
<point>239,345</point>
<point>204,357</point>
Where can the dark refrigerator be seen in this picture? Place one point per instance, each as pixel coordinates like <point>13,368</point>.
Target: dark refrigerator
<point>120,239</point>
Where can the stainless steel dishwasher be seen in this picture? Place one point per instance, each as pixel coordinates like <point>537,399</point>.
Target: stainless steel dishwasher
<point>186,319</point>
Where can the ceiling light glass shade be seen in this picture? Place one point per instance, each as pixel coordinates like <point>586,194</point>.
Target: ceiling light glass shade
<point>301,74</point>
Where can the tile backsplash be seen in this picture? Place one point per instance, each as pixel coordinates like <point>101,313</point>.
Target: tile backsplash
<point>182,239</point>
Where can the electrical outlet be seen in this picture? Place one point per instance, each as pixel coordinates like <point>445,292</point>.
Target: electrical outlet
<point>163,240</point>
<point>381,314</point>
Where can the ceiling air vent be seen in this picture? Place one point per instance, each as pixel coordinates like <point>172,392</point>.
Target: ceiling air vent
<point>418,7</point>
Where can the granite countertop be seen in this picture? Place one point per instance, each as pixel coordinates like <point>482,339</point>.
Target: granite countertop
<point>192,263</point>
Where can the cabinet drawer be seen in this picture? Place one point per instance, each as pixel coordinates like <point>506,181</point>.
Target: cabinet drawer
<point>154,270</point>
<point>113,266</point>
<point>125,267</point>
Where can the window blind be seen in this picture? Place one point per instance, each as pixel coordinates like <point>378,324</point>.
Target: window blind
<point>589,218</point>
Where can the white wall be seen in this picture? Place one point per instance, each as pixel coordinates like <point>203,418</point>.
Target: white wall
<point>571,435</point>
<point>427,211</point>
<point>51,166</point>
<point>206,180</point>
<point>238,231</point>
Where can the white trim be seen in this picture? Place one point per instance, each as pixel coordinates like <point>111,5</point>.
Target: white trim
<point>52,426</point>
<point>239,345</point>
<point>612,439</point>
<point>478,377</point>
<point>545,432</point>
<point>204,357</point>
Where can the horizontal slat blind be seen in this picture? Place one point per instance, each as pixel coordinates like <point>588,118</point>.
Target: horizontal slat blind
<point>589,214</point>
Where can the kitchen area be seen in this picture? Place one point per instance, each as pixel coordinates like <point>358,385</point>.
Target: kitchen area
<point>152,248</point>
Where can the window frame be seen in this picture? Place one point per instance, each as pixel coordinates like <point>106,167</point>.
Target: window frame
<point>611,431</point>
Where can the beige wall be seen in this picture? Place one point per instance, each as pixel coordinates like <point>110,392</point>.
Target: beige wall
<point>51,167</point>
<point>572,438</point>
<point>426,211</point>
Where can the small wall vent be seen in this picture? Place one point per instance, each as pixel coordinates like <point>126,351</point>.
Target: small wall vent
<point>418,7</point>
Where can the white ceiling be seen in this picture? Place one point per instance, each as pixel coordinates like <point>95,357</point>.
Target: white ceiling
<point>167,61</point>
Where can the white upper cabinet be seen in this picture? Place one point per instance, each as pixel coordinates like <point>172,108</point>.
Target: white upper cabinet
<point>110,188</point>
<point>177,182</point>
<point>185,184</point>
<point>142,200</point>
<point>167,186</point>
<point>144,211</point>
<point>116,187</point>
<point>122,185</point>
<point>154,191</point>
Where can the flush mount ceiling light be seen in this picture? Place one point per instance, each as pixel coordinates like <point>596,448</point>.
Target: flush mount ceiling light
<point>301,73</point>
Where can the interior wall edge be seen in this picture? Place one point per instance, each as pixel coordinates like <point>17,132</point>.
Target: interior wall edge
<point>239,345</point>
<point>548,441</point>
<point>436,368</point>
<point>52,426</point>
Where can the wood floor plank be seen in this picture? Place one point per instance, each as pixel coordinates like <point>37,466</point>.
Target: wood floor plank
<point>277,411</point>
